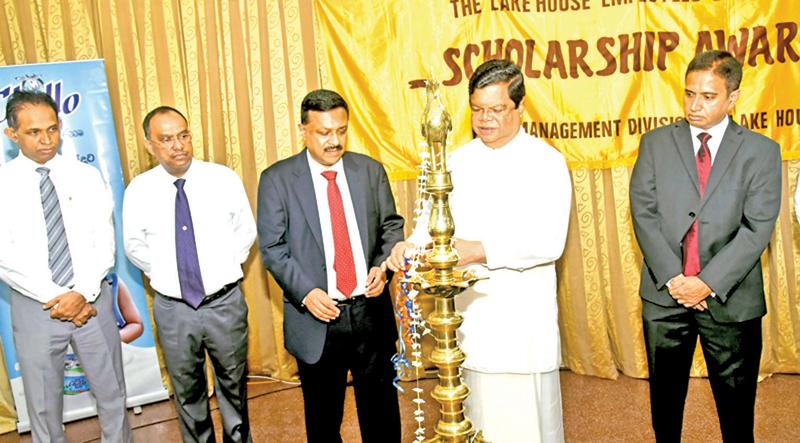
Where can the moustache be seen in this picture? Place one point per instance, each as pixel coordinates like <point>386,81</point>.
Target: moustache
<point>334,148</point>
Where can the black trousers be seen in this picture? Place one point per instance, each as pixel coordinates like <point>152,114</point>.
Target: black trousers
<point>732,352</point>
<point>355,341</point>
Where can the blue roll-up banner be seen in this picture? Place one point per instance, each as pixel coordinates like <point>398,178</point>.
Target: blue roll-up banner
<point>80,91</point>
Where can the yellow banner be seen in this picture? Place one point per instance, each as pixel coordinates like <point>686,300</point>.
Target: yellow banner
<point>599,73</point>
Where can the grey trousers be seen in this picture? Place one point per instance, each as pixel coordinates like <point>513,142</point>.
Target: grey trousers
<point>41,344</point>
<point>218,327</point>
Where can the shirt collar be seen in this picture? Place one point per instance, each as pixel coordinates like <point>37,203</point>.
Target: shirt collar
<point>31,165</point>
<point>317,169</point>
<point>717,131</point>
<point>166,176</point>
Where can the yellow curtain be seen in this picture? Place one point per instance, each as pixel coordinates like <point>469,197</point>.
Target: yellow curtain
<point>239,70</point>
<point>7,413</point>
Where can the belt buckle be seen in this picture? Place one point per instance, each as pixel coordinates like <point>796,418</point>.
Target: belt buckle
<point>349,300</point>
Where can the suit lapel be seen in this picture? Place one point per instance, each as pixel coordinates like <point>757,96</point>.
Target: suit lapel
<point>684,146</point>
<point>357,183</point>
<point>303,188</point>
<point>731,142</point>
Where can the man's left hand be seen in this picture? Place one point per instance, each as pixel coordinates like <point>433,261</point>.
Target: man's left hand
<point>65,306</point>
<point>689,291</point>
<point>376,280</point>
<point>83,317</point>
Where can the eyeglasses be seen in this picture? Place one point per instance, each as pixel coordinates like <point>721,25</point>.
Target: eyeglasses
<point>169,141</point>
<point>491,113</point>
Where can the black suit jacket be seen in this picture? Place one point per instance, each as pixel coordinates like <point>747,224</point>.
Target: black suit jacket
<point>291,241</point>
<point>736,215</point>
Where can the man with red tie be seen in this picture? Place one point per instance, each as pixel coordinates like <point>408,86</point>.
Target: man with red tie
<point>705,194</point>
<point>326,221</point>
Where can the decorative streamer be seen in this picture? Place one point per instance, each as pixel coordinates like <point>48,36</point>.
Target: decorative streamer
<point>411,326</point>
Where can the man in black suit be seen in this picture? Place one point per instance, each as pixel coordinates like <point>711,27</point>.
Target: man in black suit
<point>705,194</point>
<point>326,221</point>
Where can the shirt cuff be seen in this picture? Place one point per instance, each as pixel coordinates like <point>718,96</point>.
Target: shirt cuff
<point>89,292</point>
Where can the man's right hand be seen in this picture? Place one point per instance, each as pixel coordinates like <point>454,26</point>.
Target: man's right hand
<point>321,305</point>
<point>66,306</point>
<point>397,259</point>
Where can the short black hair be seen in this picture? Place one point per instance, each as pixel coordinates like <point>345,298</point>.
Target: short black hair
<point>321,100</point>
<point>157,111</point>
<point>722,63</point>
<point>499,71</point>
<point>21,98</point>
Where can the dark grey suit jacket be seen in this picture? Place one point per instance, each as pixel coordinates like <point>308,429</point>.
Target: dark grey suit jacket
<point>736,215</point>
<point>291,241</point>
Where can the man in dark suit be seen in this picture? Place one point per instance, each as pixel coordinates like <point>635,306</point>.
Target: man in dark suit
<point>326,221</point>
<point>705,194</point>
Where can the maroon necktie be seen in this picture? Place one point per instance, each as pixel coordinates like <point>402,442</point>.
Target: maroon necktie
<point>343,262</point>
<point>691,253</point>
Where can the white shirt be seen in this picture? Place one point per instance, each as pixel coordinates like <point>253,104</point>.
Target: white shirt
<point>321,193</point>
<point>515,200</point>
<point>86,208</point>
<point>717,132</point>
<point>224,228</point>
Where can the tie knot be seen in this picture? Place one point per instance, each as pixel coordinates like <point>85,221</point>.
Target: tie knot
<point>180,182</point>
<point>704,137</point>
<point>329,175</point>
<point>43,171</point>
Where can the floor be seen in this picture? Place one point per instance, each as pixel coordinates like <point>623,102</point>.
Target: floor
<point>595,410</point>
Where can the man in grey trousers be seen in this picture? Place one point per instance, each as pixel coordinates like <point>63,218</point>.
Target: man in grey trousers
<point>56,247</point>
<point>188,225</point>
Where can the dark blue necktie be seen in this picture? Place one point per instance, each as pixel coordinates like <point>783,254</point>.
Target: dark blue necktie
<point>189,275</point>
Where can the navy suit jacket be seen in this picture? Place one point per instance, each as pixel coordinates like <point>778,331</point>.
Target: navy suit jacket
<point>291,244</point>
<point>736,215</point>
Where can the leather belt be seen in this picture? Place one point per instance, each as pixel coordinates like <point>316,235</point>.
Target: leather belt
<point>225,289</point>
<point>353,299</point>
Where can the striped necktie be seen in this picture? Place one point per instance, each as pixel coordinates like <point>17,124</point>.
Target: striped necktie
<point>59,261</point>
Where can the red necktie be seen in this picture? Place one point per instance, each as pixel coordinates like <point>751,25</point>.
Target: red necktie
<point>691,253</point>
<point>343,262</point>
